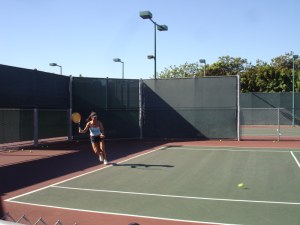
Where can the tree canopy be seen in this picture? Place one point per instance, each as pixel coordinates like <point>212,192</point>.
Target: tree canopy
<point>276,76</point>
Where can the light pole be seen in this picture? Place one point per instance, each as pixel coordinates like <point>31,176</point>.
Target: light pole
<point>54,64</point>
<point>119,60</point>
<point>203,61</point>
<point>293,107</point>
<point>148,15</point>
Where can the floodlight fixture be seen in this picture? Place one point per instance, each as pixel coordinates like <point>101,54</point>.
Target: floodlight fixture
<point>55,64</point>
<point>150,56</point>
<point>203,61</point>
<point>148,15</point>
<point>119,60</point>
<point>162,27</point>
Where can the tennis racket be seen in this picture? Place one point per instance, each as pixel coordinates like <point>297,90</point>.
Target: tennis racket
<point>76,118</point>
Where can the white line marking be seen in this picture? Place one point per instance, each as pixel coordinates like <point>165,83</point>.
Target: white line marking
<point>295,159</point>
<point>228,146</point>
<point>179,196</point>
<point>102,168</point>
<point>229,150</point>
<point>131,215</point>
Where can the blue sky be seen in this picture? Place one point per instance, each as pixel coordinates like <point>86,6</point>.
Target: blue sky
<point>85,35</point>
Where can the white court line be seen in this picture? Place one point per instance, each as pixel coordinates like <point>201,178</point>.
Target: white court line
<point>102,168</point>
<point>230,150</point>
<point>122,214</point>
<point>230,147</point>
<point>295,159</point>
<point>179,196</point>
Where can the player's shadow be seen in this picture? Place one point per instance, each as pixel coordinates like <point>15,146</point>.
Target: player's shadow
<point>140,165</point>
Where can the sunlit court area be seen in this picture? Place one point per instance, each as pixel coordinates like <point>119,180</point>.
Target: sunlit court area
<point>198,158</point>
<point>184,184</point>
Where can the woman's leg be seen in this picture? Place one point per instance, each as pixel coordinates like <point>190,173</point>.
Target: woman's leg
<point>96,148</point>
<point>102,149</point>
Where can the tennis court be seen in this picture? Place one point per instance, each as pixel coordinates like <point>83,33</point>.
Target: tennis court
<point>187,183</point>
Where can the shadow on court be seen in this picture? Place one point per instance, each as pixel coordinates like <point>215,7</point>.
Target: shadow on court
<point>25,174</point>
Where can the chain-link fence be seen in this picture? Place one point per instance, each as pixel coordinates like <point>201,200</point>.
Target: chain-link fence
<point>32,125</point>
<point>269,124</point>
<point>8,219</point>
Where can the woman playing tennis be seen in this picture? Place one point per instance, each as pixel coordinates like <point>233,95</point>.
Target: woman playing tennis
<point>97,136</point>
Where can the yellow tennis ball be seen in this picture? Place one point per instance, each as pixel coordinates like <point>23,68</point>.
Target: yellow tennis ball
<point>241,185</point>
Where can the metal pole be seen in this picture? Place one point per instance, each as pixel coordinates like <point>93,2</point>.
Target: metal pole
<point>155,50</point>
<point>293,103</point>
<point>238,107</point>
<point>106,94</point>
<point>278,121</point>
<point>60,70</point>
<point>141,108</point>
<point>70,136</point>
<point>122,70</point>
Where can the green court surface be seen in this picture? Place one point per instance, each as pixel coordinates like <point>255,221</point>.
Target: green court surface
<point>195,184</point>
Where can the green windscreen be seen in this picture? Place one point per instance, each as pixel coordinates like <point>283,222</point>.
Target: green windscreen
<point>116,102</point>
<point>190,108</point>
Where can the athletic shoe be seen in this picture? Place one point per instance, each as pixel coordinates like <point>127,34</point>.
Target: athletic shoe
<point>100,157</point>
<point>105,162</point>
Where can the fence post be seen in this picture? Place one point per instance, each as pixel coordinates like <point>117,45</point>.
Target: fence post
<point>106,95</point>
<point>278,122</point>
<point>238,107</point>
<point>69,111</point>
<point>141,108</point>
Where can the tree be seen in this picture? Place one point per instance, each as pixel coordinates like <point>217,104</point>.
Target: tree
<point>273,77</point>
<point>284,64</point>
<point>261,77</point>
<point>266,78</point>
<point>186,70</point>
<point>227,65</point>
<point>248,80</point>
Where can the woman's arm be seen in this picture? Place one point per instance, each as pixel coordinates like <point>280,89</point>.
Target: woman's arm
<point>101,129</point>
<point>85,129</point>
